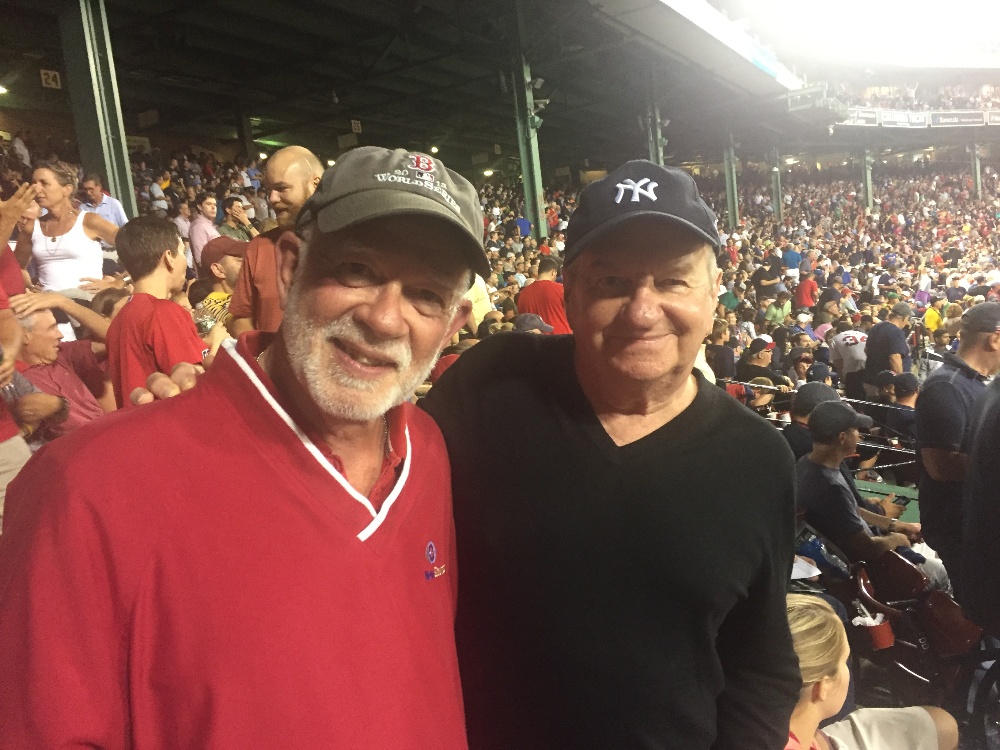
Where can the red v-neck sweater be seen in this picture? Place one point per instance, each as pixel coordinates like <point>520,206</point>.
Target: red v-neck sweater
<point>189,575</point>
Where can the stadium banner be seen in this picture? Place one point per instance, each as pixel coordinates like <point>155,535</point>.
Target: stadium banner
<point>963,119</point>
<point>892,118</point>
<point>993,118</point>
<point>864,117</point>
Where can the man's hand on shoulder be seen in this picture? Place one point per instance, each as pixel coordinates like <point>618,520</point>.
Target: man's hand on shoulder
<point>160,386</point>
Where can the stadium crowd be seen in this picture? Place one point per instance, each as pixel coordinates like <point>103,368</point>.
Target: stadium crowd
<point>920,98</point>
<point>896,310</point>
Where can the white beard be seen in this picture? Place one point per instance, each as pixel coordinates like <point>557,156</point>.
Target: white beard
<point>317,371</point>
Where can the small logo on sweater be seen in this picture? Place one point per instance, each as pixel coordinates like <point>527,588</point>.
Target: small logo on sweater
<point>439,570</point>
<point>431,554</point>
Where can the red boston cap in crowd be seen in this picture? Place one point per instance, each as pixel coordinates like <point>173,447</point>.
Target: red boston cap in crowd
<point>216,249</point>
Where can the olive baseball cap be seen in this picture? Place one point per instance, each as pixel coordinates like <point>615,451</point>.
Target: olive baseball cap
<point>372,182</point>
<point>639,188</point>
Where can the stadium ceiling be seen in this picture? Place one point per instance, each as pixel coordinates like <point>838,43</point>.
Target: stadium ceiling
<point>415,73</point>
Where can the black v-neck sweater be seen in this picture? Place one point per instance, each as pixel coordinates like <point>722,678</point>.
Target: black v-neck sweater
<point>614,597</point>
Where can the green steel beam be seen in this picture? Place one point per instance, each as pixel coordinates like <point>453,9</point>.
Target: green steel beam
<point>654,134</point>
<point>244,131</point>
<point>93,93</point>
<point>977,172</point>
<point>732,199</point>
<point>528,122</point>
<point>777,197</point>
<point>867,160</point>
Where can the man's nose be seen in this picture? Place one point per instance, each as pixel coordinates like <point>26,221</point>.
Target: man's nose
<point>384,313</point>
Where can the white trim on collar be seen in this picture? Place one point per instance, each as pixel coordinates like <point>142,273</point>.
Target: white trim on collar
<point>377,517</point>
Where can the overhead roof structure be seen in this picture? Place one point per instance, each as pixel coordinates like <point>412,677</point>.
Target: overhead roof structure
<point>414,73</point>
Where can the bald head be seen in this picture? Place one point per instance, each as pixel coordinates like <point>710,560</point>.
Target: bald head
<point>292,175</point>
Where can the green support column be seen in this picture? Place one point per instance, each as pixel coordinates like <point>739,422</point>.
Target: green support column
<point>977,172</point>
<point>93,93</point>
<point>867,160</point>
<point>244,131</point>
<point>654,134</point>
<point>528,123</point>
<point>732,200</point>
<point>777,197</point>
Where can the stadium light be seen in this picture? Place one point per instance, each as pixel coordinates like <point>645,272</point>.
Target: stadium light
<point>330,162</point>
<point>262,155</point>
<point>812,31</point>
<point>3,89</point>
<point>487,173</point>
<point>434,149</point>
<point>713,22</point>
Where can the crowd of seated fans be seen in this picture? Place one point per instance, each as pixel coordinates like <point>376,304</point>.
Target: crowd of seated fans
<point>919,97</point>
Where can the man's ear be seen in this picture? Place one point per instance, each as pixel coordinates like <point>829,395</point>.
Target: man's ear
<point>994,340</point>
<point>286,258</point>
<point>460,319</point>
<point>218,272</point>
<point>171,258</point>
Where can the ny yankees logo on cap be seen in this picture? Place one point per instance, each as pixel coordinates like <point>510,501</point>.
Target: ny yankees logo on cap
<point>661,193</point>
<point>637,189</point>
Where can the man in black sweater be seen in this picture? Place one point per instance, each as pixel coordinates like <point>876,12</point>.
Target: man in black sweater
<point>625,587</point>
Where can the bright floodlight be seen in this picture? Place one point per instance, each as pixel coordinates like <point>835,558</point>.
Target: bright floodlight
<point>3,89</point>
<point>713,22</point>
<point>262,155</point>
<point>434,149</point>
<point>330,162</point>
<point>818,32</point>
<point>487,173</point>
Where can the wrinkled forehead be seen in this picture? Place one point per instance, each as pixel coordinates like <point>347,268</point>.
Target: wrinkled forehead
<point>645,245</point>
<point>413,243</point>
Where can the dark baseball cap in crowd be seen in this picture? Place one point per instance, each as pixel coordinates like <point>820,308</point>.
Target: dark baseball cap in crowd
<point>834,417</point>
<point>904,384</point>
<point>800,352</point>
<point>638,188</point>
<point>216,249</point>
<point>371,182</point>
<point>902,310</point>
<point>884,378</point>
<point>758,345</point>
<point>818,372</point>
<point>530,322</point>
<point>983,318</point>
<point>811,395</point>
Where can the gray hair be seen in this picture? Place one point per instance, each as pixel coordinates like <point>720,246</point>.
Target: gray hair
<point>29,321</point>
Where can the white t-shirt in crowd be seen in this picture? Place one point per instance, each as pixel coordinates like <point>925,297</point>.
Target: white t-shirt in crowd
<point>847,351</point>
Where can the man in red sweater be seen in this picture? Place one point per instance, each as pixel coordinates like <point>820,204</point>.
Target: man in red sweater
<point>544,297</point>
<point>268,560</point>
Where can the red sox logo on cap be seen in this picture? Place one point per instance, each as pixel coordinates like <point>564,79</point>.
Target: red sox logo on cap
<point>423,166</point>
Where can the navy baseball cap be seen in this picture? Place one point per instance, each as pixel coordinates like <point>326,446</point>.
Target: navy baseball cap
<point>531,322</point>
<point>834,417</point>
<point>983,318</point>
<point>904,384</point>
<point>639,188</point>
<point>810,395</point>
<point>818,372</point>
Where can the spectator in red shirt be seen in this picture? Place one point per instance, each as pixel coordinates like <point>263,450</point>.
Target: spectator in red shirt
<point>73,370</point>
<point>61,369</point>
<point>153,333</point>
<point>544,297</point>
<point>807,292</point>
